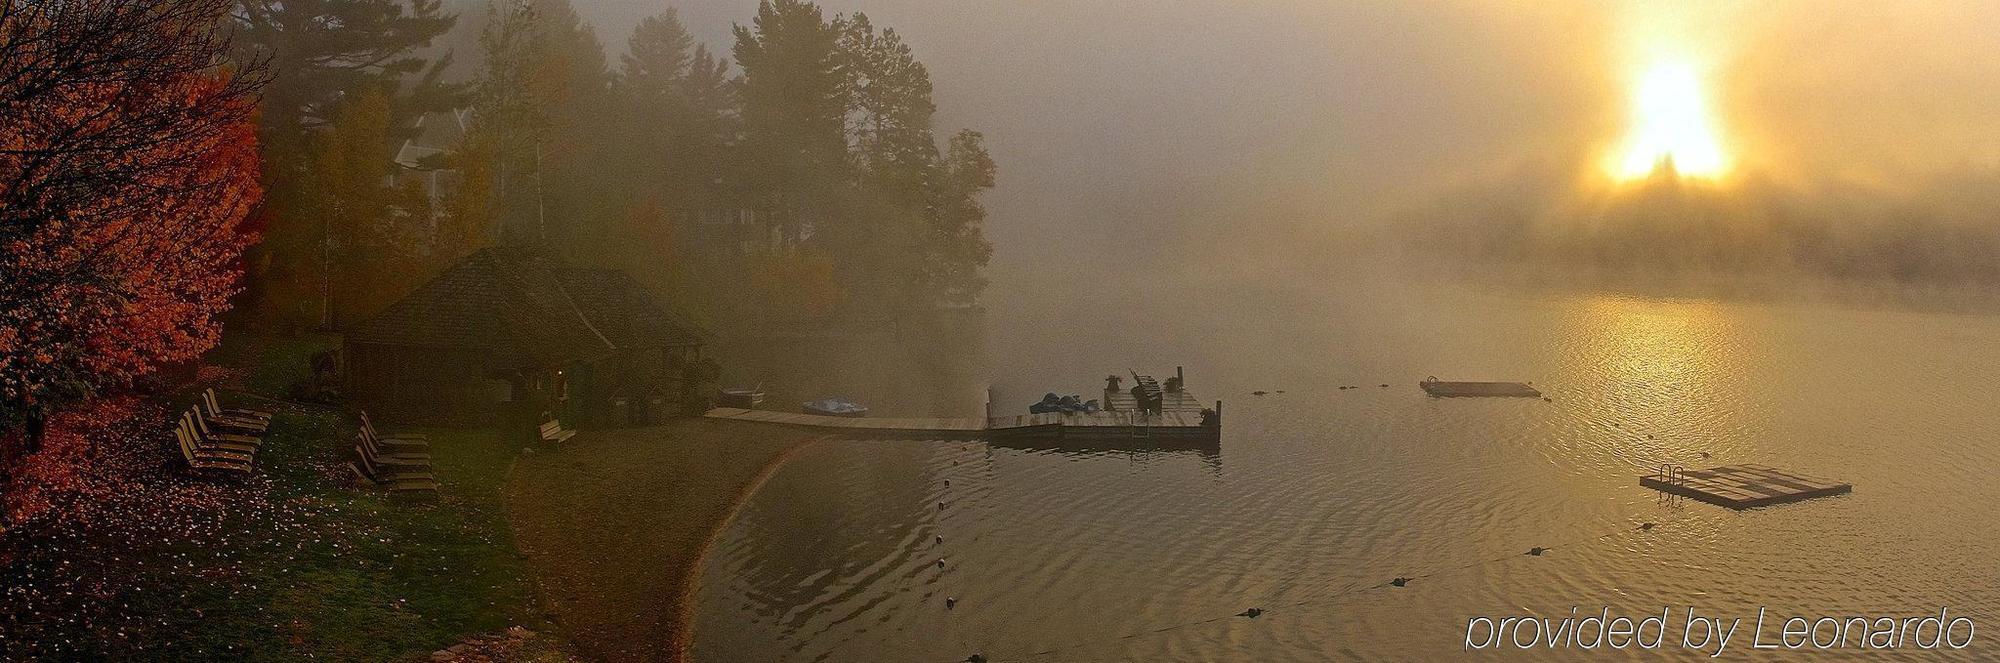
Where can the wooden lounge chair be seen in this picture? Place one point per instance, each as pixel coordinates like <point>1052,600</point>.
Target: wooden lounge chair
<point>195,412</point>
<point>205,464</point>
<point>209,436</point>
<point>363,446</point>
<point>552,431</point>
<point>382,446</point>
<point>395,486</point>
<point>368,425</point>
<point>216,409</point>
<point>209,460</point>
<point>393,443</point>
<point>383,474</point>
<point>227,421</point>
<point>187,424</point>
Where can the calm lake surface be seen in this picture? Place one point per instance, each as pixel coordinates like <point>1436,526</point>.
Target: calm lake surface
<point>1317,496</point>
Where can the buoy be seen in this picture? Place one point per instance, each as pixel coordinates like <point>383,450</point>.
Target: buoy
<point>1385,386</point>
<point>1537,551</point>
<point>1251,613</point>
<point>940,538</point>
<point>1646,526</point>
<point>940,562</point>
<point>950,602</point>
<point>947,483</point>
<point>1399,582</point>
<point>976,658</point>
<point>940,506</point>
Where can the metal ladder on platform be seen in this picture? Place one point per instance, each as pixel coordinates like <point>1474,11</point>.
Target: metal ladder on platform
<point>1671,473</point>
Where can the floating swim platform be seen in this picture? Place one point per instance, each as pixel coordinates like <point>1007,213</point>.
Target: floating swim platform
<point>1742,486</point>
<point>1446,388</point>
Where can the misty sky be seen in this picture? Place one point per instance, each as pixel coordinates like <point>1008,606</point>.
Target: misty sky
<point>1218,138</point>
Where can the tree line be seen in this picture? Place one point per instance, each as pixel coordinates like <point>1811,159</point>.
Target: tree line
<point>809,148</point>
<point>165,161</point>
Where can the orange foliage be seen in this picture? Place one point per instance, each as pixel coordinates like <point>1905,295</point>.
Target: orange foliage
<point>124,176</point>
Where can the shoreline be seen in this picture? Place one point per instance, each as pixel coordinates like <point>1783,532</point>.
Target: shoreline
<point>680,643</point>
<point>617,526</point>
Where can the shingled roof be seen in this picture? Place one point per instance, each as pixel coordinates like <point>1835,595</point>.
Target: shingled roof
<point>524,307</point>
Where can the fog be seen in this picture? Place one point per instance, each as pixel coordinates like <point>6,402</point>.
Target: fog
<point>1159,157</point>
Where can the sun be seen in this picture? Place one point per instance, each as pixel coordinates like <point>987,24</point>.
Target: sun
<point>1671,129</point>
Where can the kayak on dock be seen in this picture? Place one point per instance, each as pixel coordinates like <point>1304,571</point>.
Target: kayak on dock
<point>835,407</point>
<point>1436,387</point>
<point>743,397</point>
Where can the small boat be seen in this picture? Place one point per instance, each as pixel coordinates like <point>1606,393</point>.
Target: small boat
<point>835,407</point>
<point>1435,387</point>
<point>743,397</point>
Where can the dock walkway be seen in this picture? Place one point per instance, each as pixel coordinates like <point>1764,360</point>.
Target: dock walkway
<point>1132,424</point>
<point>880,425</point>
<point>1179,418</point>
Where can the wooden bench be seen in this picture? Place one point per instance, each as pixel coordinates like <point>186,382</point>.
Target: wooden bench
<point>552,431</point>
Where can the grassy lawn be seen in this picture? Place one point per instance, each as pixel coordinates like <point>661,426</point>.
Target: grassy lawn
<point>616,522</point>
<point>295,563</point>
<point>397,578</point>
<point>272,364</point>
<point>292,564</point>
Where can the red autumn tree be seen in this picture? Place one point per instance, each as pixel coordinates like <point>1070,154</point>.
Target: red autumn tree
<point>127,161</point>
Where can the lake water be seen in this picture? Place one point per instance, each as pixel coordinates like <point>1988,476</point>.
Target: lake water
<point>1318,496</point>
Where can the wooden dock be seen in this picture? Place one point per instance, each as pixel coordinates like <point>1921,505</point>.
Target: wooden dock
<point>1451,389</point>
<point>1080,425</point>
<point>1178,419</point>
<point>1742,486</point>
<point>891,427</point>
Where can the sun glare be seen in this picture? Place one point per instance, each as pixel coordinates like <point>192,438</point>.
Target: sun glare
<point>1670,128</point>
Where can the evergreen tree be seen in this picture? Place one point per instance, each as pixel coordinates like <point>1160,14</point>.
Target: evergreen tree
<point>794,89</point>
<point>895,153</point>
<point>840,147</point>
<point>956,247</point>
<point>681,116</point>
<point>323,55</point>
<point>891,110</point>
<point>539,104</point>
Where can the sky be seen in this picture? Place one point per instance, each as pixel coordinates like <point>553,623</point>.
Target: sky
<point>1213,139</point>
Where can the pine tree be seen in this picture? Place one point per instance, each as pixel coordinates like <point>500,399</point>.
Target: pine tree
<point>795,91</point>
<point>681,113</point>
<point>539,99</point>
<point>324,54</point>
<point>956,247</point>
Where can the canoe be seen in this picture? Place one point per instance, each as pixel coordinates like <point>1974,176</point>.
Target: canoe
<point>746,398</point>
